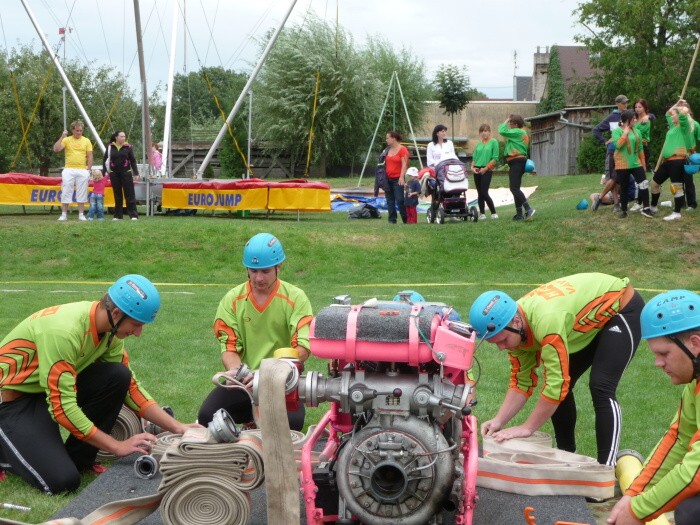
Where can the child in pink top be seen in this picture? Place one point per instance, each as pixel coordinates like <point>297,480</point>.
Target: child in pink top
<point>97,197</point>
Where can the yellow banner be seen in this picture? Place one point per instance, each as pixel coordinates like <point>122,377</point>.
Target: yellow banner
<point>296,198</point>
<point>215,199</point>
<point>40,195</point>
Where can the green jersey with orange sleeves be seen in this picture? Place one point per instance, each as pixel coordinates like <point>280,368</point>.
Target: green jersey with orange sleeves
<point>628,150</point>
<point>561,318</point>
<point>485,155</point>
<point>517,140</point>
<point>46,352</point>
<point>254,330</point>
<point>671,474</point>
<point>644,130</point>
<point>678,138</point>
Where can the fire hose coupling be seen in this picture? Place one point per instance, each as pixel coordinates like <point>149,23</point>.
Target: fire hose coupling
<point>146,467</point>
<point>223,428</point>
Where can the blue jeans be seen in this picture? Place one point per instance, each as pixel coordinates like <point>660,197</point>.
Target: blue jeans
<point>394,197</point>
<point>97,205</point>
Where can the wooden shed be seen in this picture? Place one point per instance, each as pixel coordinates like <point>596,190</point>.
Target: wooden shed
<point>556,136</point>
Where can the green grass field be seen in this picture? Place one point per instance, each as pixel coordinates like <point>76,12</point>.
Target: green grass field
<point>195,260</point>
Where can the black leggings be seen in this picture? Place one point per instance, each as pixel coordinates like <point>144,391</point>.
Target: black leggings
<point>482,181</point>
<point>123,182</point>
<point>515,179</point>
<point>623,179</point>
<point>31,441</point>
<point>688,512</point>
<point>607,356</point>
<point>238,404</point>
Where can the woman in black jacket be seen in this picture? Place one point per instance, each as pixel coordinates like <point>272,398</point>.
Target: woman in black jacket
<point>120,163</point>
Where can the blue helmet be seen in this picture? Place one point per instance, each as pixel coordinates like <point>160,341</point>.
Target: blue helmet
<point>694,158</point>
<point>136,296</point>
<point>491,313</point>
<point>670,313</point>
<point>529,166</point>
<point>582,205</point>
<point>413,297</point>
<point>691,169</point>
<point>263,250</point>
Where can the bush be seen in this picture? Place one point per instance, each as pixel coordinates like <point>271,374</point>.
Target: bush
<point>591,156</point>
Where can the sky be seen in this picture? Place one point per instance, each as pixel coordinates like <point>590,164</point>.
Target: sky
<point>493,39</point>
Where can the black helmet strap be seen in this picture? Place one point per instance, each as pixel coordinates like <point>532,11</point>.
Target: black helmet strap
<point>693,358</point>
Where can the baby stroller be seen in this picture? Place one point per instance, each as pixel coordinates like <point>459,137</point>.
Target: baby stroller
<point>448,191</point>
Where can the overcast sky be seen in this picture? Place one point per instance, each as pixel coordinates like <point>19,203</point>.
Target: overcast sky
<point>482,36</point>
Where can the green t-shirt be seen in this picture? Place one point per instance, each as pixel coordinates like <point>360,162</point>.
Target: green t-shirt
<point>517,140</point>
<point>627,152</point>
<point>562,317</point>
<point>671,473</point>
<point>255,331</point>
<point>46,352</point>
<point>678,137</point>
<point>485,155</point>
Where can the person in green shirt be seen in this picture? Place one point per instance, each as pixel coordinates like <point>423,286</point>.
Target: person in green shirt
<point>567,326</point>
<point>484,160</point>
<point>66,366</point>
<point>629,160</point>
<point>517,143</point>
<point>670,478</point>
<point>253,320</point>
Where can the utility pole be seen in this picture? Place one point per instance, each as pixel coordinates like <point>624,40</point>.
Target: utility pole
<point>145,117</point>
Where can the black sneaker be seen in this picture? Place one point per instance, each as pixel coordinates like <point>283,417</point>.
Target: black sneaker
<point>596,203</point>
<point>622,215</point>
<point>518,217</point>
<point>646,212</point>
<point>529,213</point>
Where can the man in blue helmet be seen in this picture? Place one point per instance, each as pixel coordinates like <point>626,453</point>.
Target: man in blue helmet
<point>253,320</point>
<point>670,478</point>
<point>575,323</point>
<point>66,365</point>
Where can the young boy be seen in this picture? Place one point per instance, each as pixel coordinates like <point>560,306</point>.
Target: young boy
<point>97,197</point>
<point>412,193</point>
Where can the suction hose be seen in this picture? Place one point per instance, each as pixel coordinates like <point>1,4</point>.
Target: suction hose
<point>628,466</point>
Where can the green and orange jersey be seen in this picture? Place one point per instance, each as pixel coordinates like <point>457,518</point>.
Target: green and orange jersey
<point>678,137</point>
<point>46,352</point>
<point>629,151</point>
<point>671,474</point>
<point>561,318</point>
<point>517,140</point>
<point>254,330</point>
<point>485,154</point>
<point>644,130</point>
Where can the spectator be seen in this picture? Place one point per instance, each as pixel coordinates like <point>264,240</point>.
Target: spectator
<point>516,149</point>
<point>97,197</point>
<point>412,193</point>
<point>485,159</point>
<point>580,322</point>
<point>156,160</point>
<point>440,148</point>
<point>608,125</point>
<point>120,163</point>
<point>669,478</point>
<point>76,173</point>
<point>253,320</point>
<point>396,166</point>
<point>70,368</point>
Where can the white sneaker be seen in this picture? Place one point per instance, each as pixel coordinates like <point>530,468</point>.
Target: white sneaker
<point>116,219</point>
<point>482,217</point>
<point>636,207</point>
<point>666,204</point>
<point>494,215</point>
<point>672,217</point>
<point>91,219</point>
<point>654,209</point>
<point>63,218</point>
<point>134,218</point>
<point>82,217</point>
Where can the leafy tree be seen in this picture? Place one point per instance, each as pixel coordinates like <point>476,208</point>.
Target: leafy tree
<point>29,77</point>
<point>353,84</point>
<point>453,86</point>
<point>641,48</point>
<point>555,98</point>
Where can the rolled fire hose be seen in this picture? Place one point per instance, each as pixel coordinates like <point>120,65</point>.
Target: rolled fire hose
<point>127,424</point>
<point>530,467</point>
<point>629,465</point>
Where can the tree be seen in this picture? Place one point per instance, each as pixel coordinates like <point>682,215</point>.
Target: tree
<point>555,98</point>
<point>352,87</point>
<point>641,48</point>
<point>452,85</point>
<point>31,89</point>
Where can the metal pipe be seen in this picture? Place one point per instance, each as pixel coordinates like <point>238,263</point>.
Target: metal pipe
<point>250,132</point>
<point>169,97</point>
<point>246,88</point>
<point>61,72</point>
